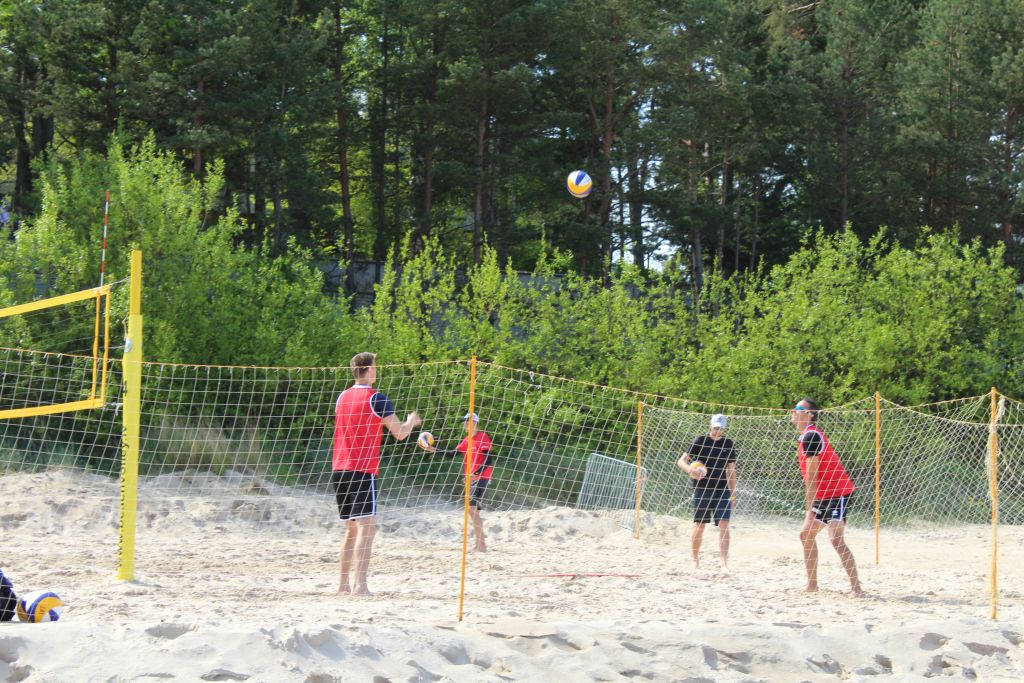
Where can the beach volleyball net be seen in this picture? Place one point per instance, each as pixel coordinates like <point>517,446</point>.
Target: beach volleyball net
<point>223,430</point>
<point>56,383</point>
<point>922,465</point>
<point>272,428</point>
<point>240,440</point>
<point>54,354</point>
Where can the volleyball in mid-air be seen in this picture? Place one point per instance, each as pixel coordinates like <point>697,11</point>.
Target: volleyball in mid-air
<point>698,469</point>
<point>425,439</point>
<point>40,606</point>
<point>579,184</point>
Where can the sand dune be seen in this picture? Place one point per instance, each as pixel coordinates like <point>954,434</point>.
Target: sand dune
<point>237,584</point>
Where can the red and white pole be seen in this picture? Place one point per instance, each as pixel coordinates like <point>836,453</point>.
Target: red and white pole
<point>103,250</point>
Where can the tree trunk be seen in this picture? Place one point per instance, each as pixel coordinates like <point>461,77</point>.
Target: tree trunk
<point>481,147</point>
<point>22,162</point>
<point>696,251</point>
<point>607,137</point>
<point>637,178</point>
<point>278,208</point>
<point>396,171</point>
<point>1005,195</point>
<point>42,134</point>
<point>378,151</point>
<point>427,199</point>
<point>844,163</point>
<point>110,109</point>
<point>723,202</point>
<point>755,233</point>
<point>341,131</point>
<point>197,125</point>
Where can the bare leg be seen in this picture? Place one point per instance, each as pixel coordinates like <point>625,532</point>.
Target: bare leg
<point>478,529</point>
<point>835,534</point>
<point>348,547</point>
<point>723,545</point>
<point>364,547</point>
<point>695,541</point>
<point>808,533</point>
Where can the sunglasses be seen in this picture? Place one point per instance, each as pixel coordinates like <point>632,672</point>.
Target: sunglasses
<point>799,408</point>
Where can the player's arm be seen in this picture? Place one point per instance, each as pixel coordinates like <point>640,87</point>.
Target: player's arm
<point>813,447</point>
<point>447,454</point>
<point>730,478</point>
<point>811,484</point>
<point>730,472</point>
<point>684,462</point>
<point>401,430</point>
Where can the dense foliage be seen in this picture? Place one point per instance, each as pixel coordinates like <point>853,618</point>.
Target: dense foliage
<point>716,132</point>
<point>842,318</point>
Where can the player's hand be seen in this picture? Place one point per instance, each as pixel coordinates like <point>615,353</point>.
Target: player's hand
<point>698,474</point>
<point>414,419</point>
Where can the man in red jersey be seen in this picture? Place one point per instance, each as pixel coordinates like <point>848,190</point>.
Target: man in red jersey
<point>360,415</point>
<point>827,490</point>
<point>481,469</point>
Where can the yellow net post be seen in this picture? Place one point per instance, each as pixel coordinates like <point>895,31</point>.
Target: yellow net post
<point>469,483</point>
<point>132,369</point>
<point>993,448</point>
<point>878,469</point>
<point>639,460</point>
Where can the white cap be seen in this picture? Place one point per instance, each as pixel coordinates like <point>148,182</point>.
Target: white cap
<point>476,418</point>
<point>718,421</point>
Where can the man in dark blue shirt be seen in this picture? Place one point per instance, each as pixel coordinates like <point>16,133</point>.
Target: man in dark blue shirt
<point>711,463</point>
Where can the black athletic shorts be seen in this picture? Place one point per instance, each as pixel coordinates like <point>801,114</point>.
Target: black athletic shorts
<point>712,504</point>
<point>355,493</point>
<point>831,509</point>
<point>476,493</point>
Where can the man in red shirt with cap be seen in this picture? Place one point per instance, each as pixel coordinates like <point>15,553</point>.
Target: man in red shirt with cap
<point>827,490</point>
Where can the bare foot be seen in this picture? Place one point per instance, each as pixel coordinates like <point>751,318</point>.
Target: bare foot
<point>362,591</point>
<point>480,549</point>
<point>811,588</point>
<point>857,592</point>
<point>696,565</point>
<point>724,569</point>
<point>344,589</point>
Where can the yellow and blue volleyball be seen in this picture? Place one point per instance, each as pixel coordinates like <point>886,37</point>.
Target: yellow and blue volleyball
<point>579,184</point>
<point>39,607</point>
<point>425,440</point>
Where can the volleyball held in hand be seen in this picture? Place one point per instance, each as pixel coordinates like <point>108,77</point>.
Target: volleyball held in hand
<point>39,607</point>
<point>579,184</point>
<point>698,469</point>
<point>425,440</point>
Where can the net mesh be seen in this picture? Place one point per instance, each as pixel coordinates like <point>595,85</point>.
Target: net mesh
<point>53,353</point>
<point>247,443</point>
<point>933,459</point>
<point>275,425</point>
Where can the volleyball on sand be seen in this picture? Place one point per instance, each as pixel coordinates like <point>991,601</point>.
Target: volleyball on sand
<point>579,184</point>
<point>39,607</point>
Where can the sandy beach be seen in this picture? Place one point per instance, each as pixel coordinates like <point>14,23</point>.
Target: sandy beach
<point>235,586</point>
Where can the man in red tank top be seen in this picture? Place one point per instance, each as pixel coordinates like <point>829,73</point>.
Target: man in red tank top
<point>827,490</point>
<point>360,415</point>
